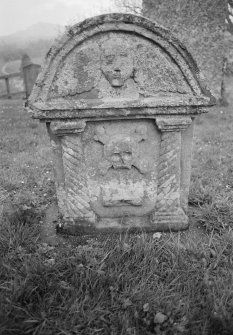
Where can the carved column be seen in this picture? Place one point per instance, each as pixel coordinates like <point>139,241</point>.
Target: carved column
<point>168,213</point>
<point>72,192</point>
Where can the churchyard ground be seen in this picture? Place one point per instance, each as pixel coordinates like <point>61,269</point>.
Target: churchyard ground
<point>173,283</point>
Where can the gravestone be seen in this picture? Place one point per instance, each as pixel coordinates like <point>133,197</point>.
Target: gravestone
<point>119,95</point>
<point>30,73</point>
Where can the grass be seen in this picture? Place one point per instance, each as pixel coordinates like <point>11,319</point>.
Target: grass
<point>139,284</point>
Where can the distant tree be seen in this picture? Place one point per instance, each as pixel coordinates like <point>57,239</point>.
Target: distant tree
<point>229,17</point>
<point>9,52</point>
<point>199,24</point>
<point>36,49</point>
<point>228,64</point>
<point>129,6</point>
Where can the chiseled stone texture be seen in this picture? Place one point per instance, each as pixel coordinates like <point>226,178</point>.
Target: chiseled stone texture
<point>119,95</point>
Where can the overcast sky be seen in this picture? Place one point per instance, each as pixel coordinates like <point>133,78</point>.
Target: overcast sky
<point>19,14</point>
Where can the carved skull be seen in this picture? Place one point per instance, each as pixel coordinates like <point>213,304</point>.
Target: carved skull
<point>116,63</point>
<point>121,151</point>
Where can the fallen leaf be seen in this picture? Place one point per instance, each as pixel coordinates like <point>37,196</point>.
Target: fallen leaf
<point>146,307</point>
<point>50,261</point>
<point>160,317</point>
<point>157,235</point>
<point>127,302</point>
<point>126,247</point>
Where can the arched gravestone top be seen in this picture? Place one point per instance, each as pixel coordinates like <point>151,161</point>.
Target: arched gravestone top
<point>118,63</point>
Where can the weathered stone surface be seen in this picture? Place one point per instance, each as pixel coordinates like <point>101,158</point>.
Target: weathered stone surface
<point>119,94</point>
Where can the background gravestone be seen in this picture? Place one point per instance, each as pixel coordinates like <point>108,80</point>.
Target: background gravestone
<point>118,94</point>
<point>30,73</point>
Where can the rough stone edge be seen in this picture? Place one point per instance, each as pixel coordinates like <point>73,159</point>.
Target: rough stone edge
<point>130,19</point>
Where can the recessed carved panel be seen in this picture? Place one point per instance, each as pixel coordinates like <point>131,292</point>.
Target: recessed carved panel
<point>115,165</point>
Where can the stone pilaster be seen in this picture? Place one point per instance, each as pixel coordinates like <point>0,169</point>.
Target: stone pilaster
<point>73,195</point>
<point>168,213</point>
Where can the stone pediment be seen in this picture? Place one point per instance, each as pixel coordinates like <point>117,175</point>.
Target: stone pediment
<point>118,63</point>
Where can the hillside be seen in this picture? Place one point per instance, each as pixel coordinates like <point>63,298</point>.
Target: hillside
<point>38,31</point>
<point>34,41</point>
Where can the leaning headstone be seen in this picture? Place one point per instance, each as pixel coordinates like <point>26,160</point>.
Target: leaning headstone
<point>30,73</point>
<point>119,94</point>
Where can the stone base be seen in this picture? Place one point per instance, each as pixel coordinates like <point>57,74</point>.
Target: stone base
<point>155,222</point>
<point>173,221</point>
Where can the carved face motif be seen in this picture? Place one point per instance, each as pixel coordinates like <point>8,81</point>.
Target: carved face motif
<point>116,62</point>
<point>121,151</point>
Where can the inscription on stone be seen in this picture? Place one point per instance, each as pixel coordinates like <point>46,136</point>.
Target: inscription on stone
<point>119,95</point>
